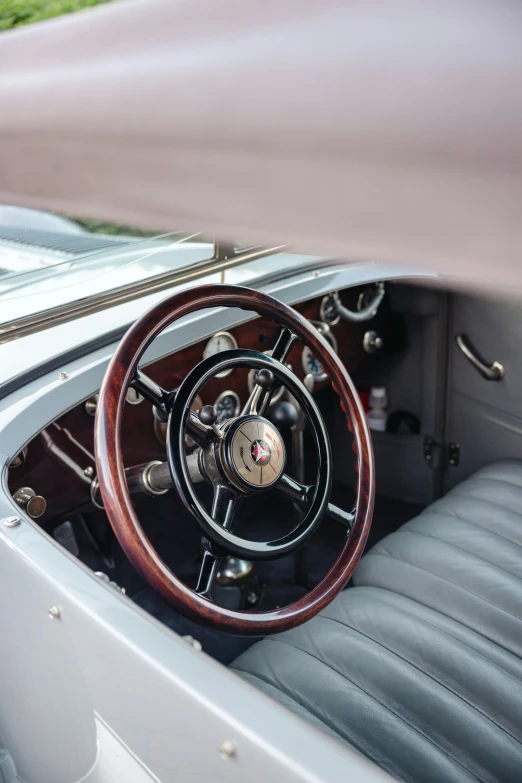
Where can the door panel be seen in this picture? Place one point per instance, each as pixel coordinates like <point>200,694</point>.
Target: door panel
<point>484,417</point>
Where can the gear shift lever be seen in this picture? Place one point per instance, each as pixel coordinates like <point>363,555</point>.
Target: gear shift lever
<point>298,469</point>
<point>283,414</point>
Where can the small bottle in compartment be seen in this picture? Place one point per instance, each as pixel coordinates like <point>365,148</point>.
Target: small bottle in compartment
<point>377,416</point>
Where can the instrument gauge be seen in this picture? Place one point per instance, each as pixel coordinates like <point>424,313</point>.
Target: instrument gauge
<point>328,310</point>
<point>313,366</point>
<point>221,341</point>
<point>227,406</point>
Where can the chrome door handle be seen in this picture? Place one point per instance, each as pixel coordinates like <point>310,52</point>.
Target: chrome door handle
<point>491,372</point>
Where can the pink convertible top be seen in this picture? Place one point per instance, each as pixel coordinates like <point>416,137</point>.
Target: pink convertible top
<point>384,130</point>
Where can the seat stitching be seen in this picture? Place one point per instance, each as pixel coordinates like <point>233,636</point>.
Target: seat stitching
<point>496,504</point>
<point>461,549</point>
<point>443,579</point>
<point>453,513</point>
<point>292,698</point>
<point>422,671</point>
<point>477,479</point>
<point>445,632</point>
<point>367,751</point>
<point>377,701</point>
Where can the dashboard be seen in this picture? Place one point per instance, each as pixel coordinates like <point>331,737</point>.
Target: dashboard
<point>53,475</point>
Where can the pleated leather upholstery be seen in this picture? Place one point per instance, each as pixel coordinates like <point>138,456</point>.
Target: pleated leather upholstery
<point>419,666</point>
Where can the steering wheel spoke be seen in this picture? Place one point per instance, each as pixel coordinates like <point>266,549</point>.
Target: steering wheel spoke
<point>283,345</point>
<point>344,518</point>
<point>153,392</point>
<point>223,506</point>
<point>294,490</point>
<point>300,494</point>
<point>201,433</point>
<point>261,396</point>
<point>207,574</point>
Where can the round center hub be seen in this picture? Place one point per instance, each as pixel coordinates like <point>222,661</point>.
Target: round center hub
<point>256,452</point>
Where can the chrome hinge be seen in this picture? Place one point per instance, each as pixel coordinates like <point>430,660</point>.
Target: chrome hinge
<point>432,452</point>
<point>439,455</point>
<point>454,454</point>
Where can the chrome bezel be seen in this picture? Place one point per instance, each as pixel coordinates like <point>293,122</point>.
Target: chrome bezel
<point>146,479</point>
<point>228,393</point>
<point>138,399</point>
<point>322,313</point>
<point>230,336</point>
<point>364,299</point>
<point>304,356</point>
<point>328,335</point>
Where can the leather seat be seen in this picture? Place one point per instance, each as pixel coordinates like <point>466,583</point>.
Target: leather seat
<point>419,666</point>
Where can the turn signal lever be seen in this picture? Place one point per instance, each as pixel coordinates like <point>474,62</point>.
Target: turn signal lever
<point>152,478</point>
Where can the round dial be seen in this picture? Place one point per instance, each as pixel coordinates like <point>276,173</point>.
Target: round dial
<point>310,363</point>
<point>313,366</point>
<point>227,406</point>
<point>328,310</point>
<point>221,341</point>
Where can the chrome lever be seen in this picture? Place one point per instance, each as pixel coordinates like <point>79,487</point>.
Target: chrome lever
<point>492,372</point>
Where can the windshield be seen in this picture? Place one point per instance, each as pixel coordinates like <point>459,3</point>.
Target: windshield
<point>48,260</point>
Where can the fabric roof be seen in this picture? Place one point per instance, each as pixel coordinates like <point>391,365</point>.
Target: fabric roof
<point>386,130</point>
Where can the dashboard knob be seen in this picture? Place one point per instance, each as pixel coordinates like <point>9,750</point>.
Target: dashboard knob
<point>264,378</point>
<point>372,342</point>
<point>283,414</point>
<point>208,415</point>
<point>34,505</point>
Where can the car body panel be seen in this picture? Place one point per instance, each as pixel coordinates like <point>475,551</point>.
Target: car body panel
<point>105,659</point>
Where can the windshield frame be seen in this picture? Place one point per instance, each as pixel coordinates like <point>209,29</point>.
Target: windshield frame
<point>225,257</point>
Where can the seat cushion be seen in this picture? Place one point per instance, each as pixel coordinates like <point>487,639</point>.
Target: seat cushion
<point>418,666</point>
<point>462,556</point>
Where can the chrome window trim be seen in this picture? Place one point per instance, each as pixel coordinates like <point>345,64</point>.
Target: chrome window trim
<point>224,258</point>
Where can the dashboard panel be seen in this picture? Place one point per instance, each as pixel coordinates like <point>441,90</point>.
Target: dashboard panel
<point>58,463</point>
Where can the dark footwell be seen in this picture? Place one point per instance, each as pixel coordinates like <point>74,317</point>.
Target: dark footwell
<point>284,580</point>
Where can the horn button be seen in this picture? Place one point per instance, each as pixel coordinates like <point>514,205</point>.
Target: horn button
<point>254,453</point>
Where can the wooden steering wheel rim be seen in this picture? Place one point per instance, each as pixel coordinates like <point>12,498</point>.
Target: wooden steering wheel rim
<point>111,471</point>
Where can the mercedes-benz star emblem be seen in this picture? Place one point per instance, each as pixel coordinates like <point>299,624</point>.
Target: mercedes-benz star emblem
<point>260,452</point>
<point>256,452</point>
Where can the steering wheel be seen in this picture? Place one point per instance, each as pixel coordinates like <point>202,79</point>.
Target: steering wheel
<point>242,456</point>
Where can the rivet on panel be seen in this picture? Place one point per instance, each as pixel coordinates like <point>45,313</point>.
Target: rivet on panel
<point>63,376</point>
<point>227,750</point>
<point>54,613</point>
